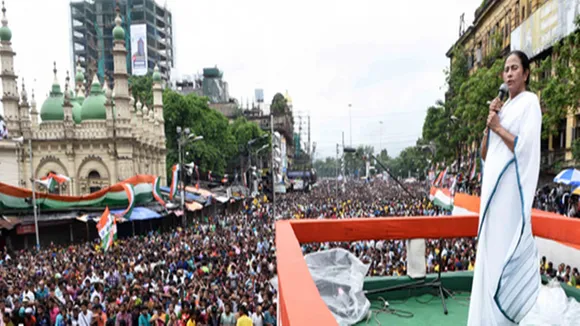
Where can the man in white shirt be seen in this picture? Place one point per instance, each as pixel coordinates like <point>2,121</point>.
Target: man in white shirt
<point>258,317</point>
<point>85,316</point>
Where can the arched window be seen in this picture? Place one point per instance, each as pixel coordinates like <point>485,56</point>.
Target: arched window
<point>94,175</point>
<point>94,181</point>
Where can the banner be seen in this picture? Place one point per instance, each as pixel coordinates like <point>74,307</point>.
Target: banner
<point>550,23</point>
<point>139,49</point>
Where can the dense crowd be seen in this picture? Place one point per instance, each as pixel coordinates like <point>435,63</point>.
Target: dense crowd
<point>217,271</point>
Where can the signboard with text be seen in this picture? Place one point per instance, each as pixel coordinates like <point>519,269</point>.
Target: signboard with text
<point>550,23</point>
<point>25,229</point>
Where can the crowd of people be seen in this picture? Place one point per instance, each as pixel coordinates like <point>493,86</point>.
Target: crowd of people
<point>216,271</point>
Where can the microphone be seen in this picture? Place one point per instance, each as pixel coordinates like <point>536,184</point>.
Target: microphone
<point>503,92</point>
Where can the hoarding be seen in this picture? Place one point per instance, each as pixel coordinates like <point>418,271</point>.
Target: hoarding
<point>550,23</point>
<point>139,49</point>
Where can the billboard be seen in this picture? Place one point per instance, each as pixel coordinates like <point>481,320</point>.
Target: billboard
<point>259,95</point>
<point>139,49</point>
<point>549,24</point>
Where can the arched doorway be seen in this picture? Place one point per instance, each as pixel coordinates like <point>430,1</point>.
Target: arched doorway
<point>94,179</point>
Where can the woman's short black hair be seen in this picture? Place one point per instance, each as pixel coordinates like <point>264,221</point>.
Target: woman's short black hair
<point>525,62</point>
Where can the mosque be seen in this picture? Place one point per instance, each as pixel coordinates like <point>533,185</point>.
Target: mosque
<point>96,137</point>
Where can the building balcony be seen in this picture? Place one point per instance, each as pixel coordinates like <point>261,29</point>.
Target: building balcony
<point>552,161</point>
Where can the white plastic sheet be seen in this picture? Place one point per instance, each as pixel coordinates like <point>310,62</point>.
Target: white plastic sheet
<point>339,276</point>
<point>553,307</point>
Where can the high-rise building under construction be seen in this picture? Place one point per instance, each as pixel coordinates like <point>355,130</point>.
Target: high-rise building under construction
<point>148,37</point>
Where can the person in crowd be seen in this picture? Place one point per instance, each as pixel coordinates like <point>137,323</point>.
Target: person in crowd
<point>214,271</point>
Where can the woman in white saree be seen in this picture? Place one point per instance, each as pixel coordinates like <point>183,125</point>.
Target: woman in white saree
<point>506,279</point>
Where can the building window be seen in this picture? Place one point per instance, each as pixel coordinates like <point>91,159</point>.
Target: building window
<point>470,60</point>
<point>94,178</point>
<point>478,54</point>
<point>523,13</point>
<point>517,15</point>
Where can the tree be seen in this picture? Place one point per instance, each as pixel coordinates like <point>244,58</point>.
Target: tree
<point>243,131</point>
<point>558,82</point>
<point>223,143</point>
<point>279,104</point>
<point>192,111</point>
<point>576,149</point>
<point>413,161</point>
<point>326,168</point>
<point>142,89</point>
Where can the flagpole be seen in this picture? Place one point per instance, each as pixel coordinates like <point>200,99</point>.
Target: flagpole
<point>33,194</point>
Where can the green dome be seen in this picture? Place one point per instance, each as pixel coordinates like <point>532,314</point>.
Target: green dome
<point>79,77</point>
<point>5,34</point>
<point>52,109</point>
<point>156,74</point>
<point>93,107</point>
<point>119,33</point>
<point>76,110</point>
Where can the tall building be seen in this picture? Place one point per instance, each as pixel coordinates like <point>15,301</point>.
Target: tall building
<point>148,37</point>
<point>96,139</point>
<point>533,26</point>
<point>214,87</point>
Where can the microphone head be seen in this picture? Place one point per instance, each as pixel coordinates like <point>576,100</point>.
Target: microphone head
<point>503,91</point>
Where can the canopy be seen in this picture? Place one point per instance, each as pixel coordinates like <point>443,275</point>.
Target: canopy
<point>139,214</point>
<point>568,177</point>
<point>189,197</point>
<point>193,206</point>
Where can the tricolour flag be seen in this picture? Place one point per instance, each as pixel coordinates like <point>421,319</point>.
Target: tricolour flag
<point>174,181</point>
<point>53,179</point>
<point>107,228</point>
<point>157,191</point>
<point>473,169</point>
<point>60,178</point>
<point>48,183</point>
<point>441,177</point>
<point>131,198</point>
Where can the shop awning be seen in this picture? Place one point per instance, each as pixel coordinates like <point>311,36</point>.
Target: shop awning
<point>193,206</point>
<point>139,214</point>
<point>189,197</point>
<point>8,222</point>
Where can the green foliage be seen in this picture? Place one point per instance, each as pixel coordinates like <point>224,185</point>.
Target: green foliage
<point>279,104</point>
<point>413,161</point>
<point>576,149</point>
<point>222,144</point>
<point>326,168</point>
<point>558,80</point>
<point>192,111</point>
<point>354,162</point>
<point>142,89</point>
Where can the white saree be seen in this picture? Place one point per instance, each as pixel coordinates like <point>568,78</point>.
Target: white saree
<point>506,279</point>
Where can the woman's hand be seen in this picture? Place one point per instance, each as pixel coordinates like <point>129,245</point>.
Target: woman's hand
<point>493,121</point>
<point>495,105</point>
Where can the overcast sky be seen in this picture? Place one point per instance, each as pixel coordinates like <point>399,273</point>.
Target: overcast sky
<point>386,58</point>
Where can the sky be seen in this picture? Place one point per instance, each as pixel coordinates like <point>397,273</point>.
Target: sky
<point>385,58</point>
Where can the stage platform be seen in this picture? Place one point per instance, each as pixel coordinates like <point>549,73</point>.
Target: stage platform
<point>420,307</point>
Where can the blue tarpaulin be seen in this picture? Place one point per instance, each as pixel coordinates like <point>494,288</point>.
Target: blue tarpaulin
<point>188,195</point>
<point>139,214</point>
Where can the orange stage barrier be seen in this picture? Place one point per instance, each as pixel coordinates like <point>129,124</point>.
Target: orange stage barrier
<point>300,302</point>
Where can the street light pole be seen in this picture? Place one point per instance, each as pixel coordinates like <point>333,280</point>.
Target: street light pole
<point>272,170</point>
<point>380,138</point>
<point>32,177</point>
<point>182,191</point>
<point>350,122</point>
